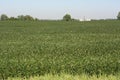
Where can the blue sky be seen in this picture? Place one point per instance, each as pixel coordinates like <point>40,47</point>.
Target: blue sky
<point>55,9</point>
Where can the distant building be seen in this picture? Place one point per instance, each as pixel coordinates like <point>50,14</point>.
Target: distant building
<point>85,19</point>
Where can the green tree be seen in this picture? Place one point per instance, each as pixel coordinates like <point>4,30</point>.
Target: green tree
<point>118,17</point>
<point>28,17</point>
<point>4,17</point>
<point>21,17</point>
<point>36,19</point>
<point>67,17</point>
<point>12,18</point>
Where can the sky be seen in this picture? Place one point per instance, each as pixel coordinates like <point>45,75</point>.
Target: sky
<point>56,9</point>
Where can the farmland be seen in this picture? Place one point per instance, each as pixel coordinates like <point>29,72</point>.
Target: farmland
<point>32,48</point>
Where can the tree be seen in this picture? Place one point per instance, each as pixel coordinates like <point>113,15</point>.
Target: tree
<point>28,17</point>
<point>118,17</point>
<point>21,17</point>
<point>36,19</point>
<point>4,17</point>
<point>12,18</point>
<point>67,17</point>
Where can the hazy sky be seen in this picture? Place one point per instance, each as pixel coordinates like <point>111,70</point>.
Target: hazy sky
<point>55,9</point>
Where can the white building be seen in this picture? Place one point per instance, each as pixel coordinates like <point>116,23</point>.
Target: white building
<point>85,19</point>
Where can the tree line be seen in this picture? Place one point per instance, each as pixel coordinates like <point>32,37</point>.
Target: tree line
<point>4,17</point>
<point>66,17</point>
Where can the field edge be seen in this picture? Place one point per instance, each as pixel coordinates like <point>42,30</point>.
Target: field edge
<point>64,76</point>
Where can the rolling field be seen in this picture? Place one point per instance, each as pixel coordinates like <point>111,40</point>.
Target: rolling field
<point>36,48</point>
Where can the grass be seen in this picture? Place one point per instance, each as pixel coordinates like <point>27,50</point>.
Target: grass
<point>31,48</point>
<point>69,77</point>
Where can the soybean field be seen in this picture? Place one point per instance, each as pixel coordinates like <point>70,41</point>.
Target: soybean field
<point>35,48</point>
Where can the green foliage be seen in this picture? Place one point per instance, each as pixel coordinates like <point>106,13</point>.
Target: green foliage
<point>27,17</point>
<point>12,18</point>
<point>21,17</point>
<point>36,19</point>
<point>67,17</point>
<point>69,77</point>
<point>4,17</point>
<point>118,17</point>
<point>30,48</point>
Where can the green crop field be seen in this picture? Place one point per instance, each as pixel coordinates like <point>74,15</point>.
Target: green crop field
<point>36,48</point>
<point>69,77</point>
